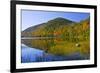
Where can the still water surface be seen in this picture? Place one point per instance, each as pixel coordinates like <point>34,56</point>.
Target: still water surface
<point>29,54</point>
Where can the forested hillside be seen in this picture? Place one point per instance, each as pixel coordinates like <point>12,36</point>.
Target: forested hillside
<point>68,36</point>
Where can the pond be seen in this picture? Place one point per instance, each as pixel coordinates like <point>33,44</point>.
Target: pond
<point>33,51</point>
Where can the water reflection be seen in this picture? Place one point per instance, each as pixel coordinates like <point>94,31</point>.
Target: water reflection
<point>29,54</point>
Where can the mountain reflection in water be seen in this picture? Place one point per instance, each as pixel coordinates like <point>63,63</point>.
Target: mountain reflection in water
<point>34,55</point>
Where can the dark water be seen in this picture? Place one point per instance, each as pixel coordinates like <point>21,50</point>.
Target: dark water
<point>34,55</point>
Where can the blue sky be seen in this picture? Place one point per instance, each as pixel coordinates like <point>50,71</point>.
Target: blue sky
<point>30,18</point>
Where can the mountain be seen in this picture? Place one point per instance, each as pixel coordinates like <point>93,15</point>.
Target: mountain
<point>47,27</point>
<point>65,37</point>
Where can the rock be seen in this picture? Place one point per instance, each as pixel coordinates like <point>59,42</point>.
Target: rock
<point>77,45</point>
